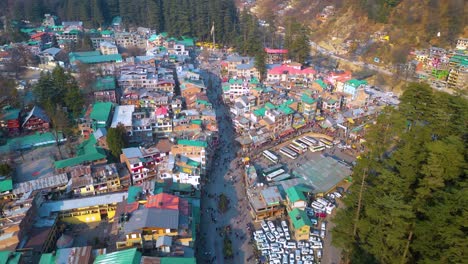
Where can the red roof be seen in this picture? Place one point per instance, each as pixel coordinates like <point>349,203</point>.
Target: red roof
<point>290,70</point>
<point>161,111</point>
<point>38,35</point>
<point>163,201</point>
<point>276,51</point>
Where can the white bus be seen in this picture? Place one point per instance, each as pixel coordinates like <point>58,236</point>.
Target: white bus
<point>310,140</point>
<point>274,174</point>
<point>302,141</point>
<point>288,153</point>
<point>271,169</point>
<point>326,142</point>
<point>316,148</point>
<point>296,148</point>
<point>270,156</point>
<point>299,145</point>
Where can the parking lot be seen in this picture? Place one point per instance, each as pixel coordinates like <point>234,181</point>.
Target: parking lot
<point>276,243</point>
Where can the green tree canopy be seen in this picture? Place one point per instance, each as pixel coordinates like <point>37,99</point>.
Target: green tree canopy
<point>117,139</point>
<point>408,203</point>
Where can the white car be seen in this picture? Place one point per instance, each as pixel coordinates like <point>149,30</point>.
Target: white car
<point>290,245</point>
<point>291,257</point>
<point>298,255</point>
<point>316,245</point>
<point>264,226</point>
<point>270,237</point>
<point>271,226</point>
<point>276,234</point>
<point>322,234</point>
<point>275,245</point>
<point>337,195</point>
<point>277,250</point>
<point>323,226</point>
<point>275,256</point>
<point>284,225</point>
<point>287,236</point>
<point>282,241</point>
<point>319,254</point>
<point>263,246</point>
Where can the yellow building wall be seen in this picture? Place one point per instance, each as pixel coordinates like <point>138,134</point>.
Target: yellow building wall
<point>83,190</point>
<point>302,233</point>
<point>86,218</point>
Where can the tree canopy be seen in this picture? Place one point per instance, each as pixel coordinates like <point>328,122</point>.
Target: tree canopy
<point>59,89</point>
<point>408,200</point>
<point>117,140</point>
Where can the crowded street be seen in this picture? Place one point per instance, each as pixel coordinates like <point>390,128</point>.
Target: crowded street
<point>225,177</point>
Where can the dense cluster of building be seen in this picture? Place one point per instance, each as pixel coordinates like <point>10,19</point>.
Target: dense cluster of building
<point>149,200</point>
<point>443,68</point>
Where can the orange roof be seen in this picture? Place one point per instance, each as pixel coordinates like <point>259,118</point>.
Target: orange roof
<point>163,201</point>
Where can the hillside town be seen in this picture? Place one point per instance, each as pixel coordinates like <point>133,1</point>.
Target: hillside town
<point>219,165</point>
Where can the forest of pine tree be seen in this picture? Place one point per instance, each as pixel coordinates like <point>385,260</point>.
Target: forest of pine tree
<point>177,17</point>
<point>408,200</point>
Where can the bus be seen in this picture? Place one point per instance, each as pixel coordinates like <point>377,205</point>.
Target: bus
<point>272,169</point>
<point>326,142</point>
<point>288,153</point>
<point>274,174</point>
<point>270,156</point>
<point>316,148</point>
<point>296,148</point>
<point>308,144</point>
<point>299,145</point>
<point>311,140</point>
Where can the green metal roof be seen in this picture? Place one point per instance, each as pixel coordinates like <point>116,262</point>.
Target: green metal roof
<point>285,109</point>
<point>269,106</point>
<point>133,193</point>
<point>187,42</point>
<point>203,102</point>
<point>307,99</point>
<point>86,152</point>
<point>11,114</point>
<point>38,139</point>
<point>177,260</point>
<point>235,81</point>
<point>6,185</point>
<point>299,218</point>
<point>6,258</point>
<point>101,111</point>
<point>104,83</point>
<point>193,163</point>
<point>356,83</point>
<point>89,57</point>
<point>321,83</point>
<point>47,258</point>
<point>107,32</point>
<point>193,143</point>
<point>259,112</point>
<point>128,256</point>
<point>296,193</point>
<point>197,122</point>
<point>226,88</point>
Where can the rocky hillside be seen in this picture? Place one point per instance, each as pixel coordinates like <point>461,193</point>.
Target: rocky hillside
<point>386,29</point>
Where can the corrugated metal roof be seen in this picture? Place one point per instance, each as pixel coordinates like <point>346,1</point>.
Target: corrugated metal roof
<point>152,217</point>
<point>128,256</point>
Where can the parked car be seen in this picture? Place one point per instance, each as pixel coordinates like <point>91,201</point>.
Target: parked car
<point>291,258</point>
<point>319,254</point>
<point>264,226</point>
<point>271,226</point>
<point>287,236</point>
<point>270,237</point>
<point>323,226</point>
<point>284,225</point>
<point>322,233</point>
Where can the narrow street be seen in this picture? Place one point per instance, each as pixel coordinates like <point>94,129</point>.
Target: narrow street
<point>225,177</point>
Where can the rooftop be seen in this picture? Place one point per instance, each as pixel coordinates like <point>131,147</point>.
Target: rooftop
<point>87,151</point>
<point>152,217</point>
<point>321,173</point>
<point>104,83</point>
<point>193,143</point>
<point>128,256</point>
<point>64,205</point>
<point>299,218</point>
<point>101,111</point>
<point>123,115</point>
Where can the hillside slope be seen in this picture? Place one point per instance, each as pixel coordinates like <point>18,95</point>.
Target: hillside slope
<point>407,23</point>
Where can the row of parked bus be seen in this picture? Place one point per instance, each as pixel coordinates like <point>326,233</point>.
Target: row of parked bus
<point>299,146</point>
